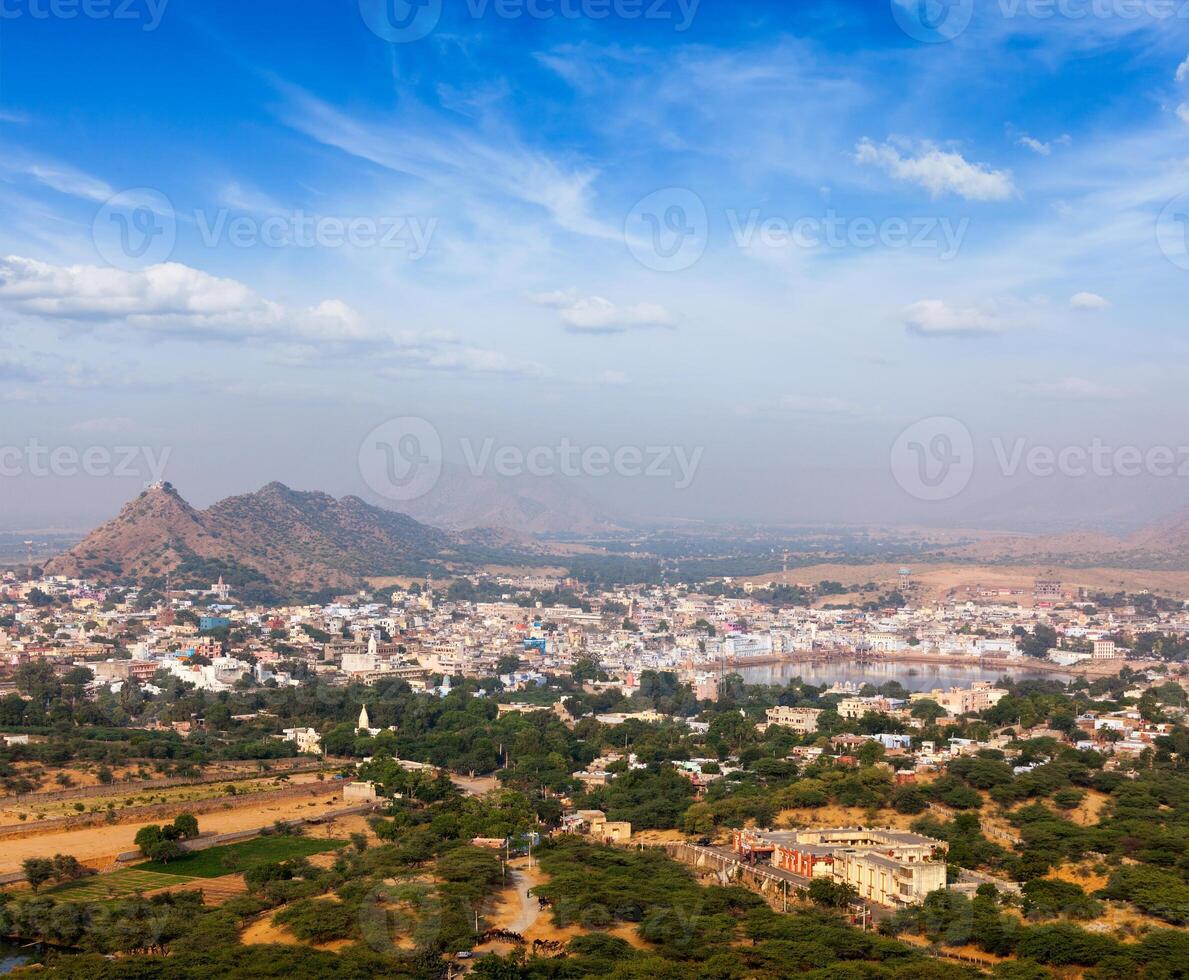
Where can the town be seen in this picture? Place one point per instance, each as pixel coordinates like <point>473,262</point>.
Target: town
<point>692,730</point>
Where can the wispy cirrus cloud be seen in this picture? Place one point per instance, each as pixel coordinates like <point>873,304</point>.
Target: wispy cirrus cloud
<point>473,160</point>
<point>56,175</point>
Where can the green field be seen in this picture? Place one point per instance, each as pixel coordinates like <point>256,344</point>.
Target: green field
<point>118,884</point>
<point>229,858</point>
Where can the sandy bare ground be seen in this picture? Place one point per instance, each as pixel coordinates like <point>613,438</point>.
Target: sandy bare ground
<point>1089,811</point>
<point>519,912</point>
<point>475,785</point>
<point>934,581</point>
<point>215,891</point>
<point>842,816</point>
<point>265,931</point>
<point>167,794</point>
<point>96,844</point>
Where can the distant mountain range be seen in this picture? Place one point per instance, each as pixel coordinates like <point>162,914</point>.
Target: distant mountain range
<point>275,538</point>
<point>1163,544</point>
<point>527,505</point>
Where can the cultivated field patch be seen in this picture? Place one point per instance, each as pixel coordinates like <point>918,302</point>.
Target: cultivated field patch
<point>230,858</point>
<point>118,884</point>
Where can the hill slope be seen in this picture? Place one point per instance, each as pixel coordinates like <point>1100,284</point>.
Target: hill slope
<point>291,540</point>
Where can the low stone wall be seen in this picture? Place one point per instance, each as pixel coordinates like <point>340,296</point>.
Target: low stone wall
<point>137,785</point>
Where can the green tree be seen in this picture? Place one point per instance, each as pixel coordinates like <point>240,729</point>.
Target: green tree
<point>37,871</point>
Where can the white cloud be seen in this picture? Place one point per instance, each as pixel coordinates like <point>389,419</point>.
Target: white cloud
<point>1073,389</point>
<point>176,300</point>
<point>1044,149</point>
<point>1183,113</point>
<point>594,314</point>
<point>1183,71</point>
<point>170,298</point>
<point>936,318</point>
<point>467,360</point>
<point>938,171</point>
<point>1088,301</point>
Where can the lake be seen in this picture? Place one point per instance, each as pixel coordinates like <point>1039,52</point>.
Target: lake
<point>12,956</point>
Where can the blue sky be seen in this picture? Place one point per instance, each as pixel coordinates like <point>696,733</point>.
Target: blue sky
<point>996,254</point>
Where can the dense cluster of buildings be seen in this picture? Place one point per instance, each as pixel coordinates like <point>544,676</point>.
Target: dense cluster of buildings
<point>523,629</point>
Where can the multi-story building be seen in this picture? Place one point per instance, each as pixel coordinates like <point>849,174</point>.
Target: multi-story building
<point>889,867</point>
<point>1105,650</point>
<point>959,701</point>
<point>857,707</point>
<point>801,720</point>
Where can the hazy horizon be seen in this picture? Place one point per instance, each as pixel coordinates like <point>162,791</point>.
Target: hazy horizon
<point>841,264</point>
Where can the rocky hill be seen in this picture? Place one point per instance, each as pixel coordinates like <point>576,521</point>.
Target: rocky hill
<point>289,540</point>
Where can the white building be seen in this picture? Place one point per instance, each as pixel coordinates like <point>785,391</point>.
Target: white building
<point>308,741</point>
